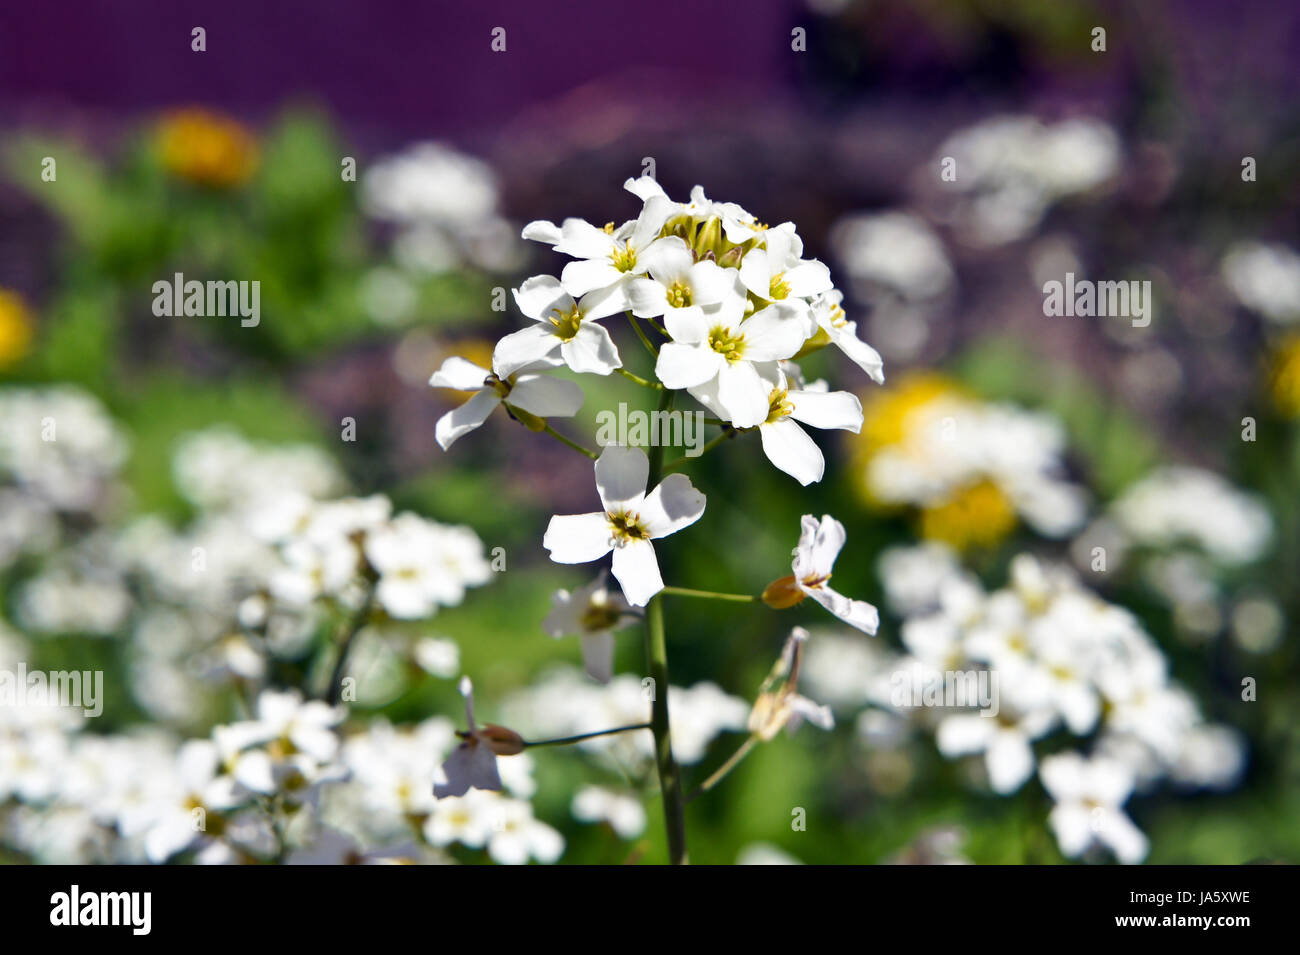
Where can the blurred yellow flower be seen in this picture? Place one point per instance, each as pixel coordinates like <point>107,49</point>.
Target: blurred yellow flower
<point>15,328</point>
<point>977,516</point>
<point>206,148</point>
<point>886,411</point>
<point>1284,383</point>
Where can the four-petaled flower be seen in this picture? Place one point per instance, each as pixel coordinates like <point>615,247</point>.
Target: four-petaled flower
<point>473,764</point>
<point>560,324</point>
<point>594,613</point>
<point>524,390</point>
<point>631,519</point>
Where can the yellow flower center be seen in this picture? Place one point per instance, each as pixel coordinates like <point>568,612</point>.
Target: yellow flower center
<point>679,295</point>
<point>727,343</point>
<point>779,406</point>
<point>599,617</point>
<point>778,287</point>
<point>627,527</point>
<point>979,515</point>
<point>566,323</point>
<point>624,259</point>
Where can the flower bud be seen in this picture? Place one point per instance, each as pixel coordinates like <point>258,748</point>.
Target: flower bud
<point>530,421</point>
<point>502,741</point>
<point>783,593</point>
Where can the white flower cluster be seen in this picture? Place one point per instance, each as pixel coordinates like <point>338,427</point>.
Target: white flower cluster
<point>734,302</point>
<point>1180,505</point>
<point>953,442</point>
<point>1011,169</point>
<point>445,206</point>
<point>1056,658</point>
<point>60,454</point>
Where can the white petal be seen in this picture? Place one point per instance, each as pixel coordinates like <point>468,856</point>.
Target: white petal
<point>1072,824</point>
<point>742,394</point>
<point>755,273</point>
<point>546,397</point>
<point>668,260</point>
<point>645,188</point>
<point>1009,759</point>
<point>591,351</point>
<point>674,504</point>
<point>459,373</point>
<point>578,538</point>
<point>960,735</point>
<point>462,420</point>
<point>789,448</point>
<point>859,352</point>
<point>542,230</point>
<point>637,571</point>
<point>520,349</point>
<point>598,655</point>
<point>582,240</point>
<point>1126,839</point>
<point>772,334</point>
<point>835,409</point>
<point>647,298</point>
<point>537,296</point>
<point>685,366</point>
<point>808,278</point>
<point>581,277</point>
<point>621,475</point>
<point>689,326</point>
<point>856,613</point>
<point>710,283</point>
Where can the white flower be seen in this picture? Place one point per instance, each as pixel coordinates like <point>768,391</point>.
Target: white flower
<point>473,764</point>
<point>786,444</point>
<point>776,273</point>
<point>290,746</point>
<point>820,542</point>
<point>422,565</point>
<point>631,519</point>
<point>829,315</point>
<point>624,813</point>
<point>1089,797</point>
<point>610,259</point>
<point>524,389</point>
<point>1004,740</point>
<point>560,324</point>
<point>441,657</point>
<point>515,835</point>
<point>1266,279</point>
<point>678,285</point>
<point>714,353</point>
<point>172,826</point>
<point>429,182</point>
<point>595,614</point>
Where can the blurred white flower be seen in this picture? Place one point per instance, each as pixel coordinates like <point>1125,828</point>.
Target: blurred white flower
<point>595,614</point>
<point>1090,795</point>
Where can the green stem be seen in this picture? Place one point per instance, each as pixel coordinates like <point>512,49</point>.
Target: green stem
<point>640,333</point>
<point>659,328</point>
<point>358,622</point>
<point>656,653</point>
<point>720,773</point>
<point>639,380</point>
<point>573,444</point>
<point>708,594</point>
<point>561,741</point>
